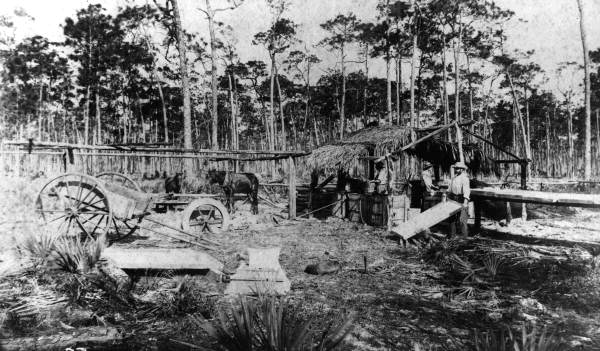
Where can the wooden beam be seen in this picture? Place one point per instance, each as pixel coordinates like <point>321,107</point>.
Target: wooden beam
<point>428,136</point>
<point>51,145</point>
<point>492,144</point>
<point>508,161</point>
<point>162,258</point>
<point>538,197</point>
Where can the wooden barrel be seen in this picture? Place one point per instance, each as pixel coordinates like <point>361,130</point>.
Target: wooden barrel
<point>353,207</point>
<point>375,207</point>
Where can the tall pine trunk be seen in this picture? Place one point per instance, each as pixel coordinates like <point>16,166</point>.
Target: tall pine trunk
<point>587,174</point>
<point>283,134</point>
<point>413,77</point>
<point>343,107</point>
<point>547,143</point>
<point>571,162</point>
<point>365,122</point>
<point>86,118</point>
<point>457,78</point>
<point>597,133</point>
<point>445,83</point>
<point>398,88</point>
<point>272,101</point>
<point>164,112</point>
<point>98,121</point>
<point>213,80</point>
<point>388,86</point>
<point>185,84</point>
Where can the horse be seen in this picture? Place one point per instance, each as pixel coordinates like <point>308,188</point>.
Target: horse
<point>233,183</point>
<point>173,183</point>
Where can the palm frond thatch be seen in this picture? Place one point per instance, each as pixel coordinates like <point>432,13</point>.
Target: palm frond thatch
<point>380,140</point>
<point>445,154</point>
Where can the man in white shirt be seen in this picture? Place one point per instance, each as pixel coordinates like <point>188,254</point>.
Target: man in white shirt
<point>459,190</point>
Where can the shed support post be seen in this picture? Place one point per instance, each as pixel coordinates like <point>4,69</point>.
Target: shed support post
<point>291,188</point>
<point>523,175</point>
<point>477,209</point>
<point>523,165</point>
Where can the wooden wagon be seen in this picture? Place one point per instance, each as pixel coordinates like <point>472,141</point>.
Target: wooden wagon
<point>112,205</point>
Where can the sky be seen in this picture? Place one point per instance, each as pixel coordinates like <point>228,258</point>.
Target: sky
<point>550,27</point>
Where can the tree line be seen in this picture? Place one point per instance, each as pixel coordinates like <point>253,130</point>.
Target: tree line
<point>138,76</point>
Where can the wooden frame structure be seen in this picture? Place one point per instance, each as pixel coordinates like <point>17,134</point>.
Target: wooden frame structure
<point>210,155</point>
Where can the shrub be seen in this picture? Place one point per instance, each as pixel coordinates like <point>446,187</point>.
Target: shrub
<point>267,323</point>
<point>505,340</point>
<point>37,249</point>
<point>76,256</point>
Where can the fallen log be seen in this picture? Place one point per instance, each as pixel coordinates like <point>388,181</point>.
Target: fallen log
<point>87,338</point>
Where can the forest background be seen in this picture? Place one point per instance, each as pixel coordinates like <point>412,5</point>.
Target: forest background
<point>282,75</point>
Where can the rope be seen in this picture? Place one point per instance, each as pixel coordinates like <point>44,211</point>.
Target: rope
<point>319,209</point>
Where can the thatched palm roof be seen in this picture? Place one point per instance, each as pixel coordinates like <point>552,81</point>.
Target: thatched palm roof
<point>378,141</point>
<point>358,144</point>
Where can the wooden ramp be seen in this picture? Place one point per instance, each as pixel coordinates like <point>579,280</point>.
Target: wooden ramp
<point>162,258</point>
<point>537,197</point>
<point>427,219</point>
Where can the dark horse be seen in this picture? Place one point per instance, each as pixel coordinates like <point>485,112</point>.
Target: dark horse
<point>233,183</point>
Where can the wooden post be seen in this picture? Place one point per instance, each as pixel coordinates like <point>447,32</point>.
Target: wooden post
<point>291,189</point>
<point>524,187</point>
<point>371,164</point>
<point>508,213</point>
<point>523,174</point>
<point>477,209</point>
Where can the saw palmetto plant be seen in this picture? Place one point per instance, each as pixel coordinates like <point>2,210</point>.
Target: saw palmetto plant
<point>37,248</point>
<point>528,340</point>
<point>266,324</point>
<point>78,256</point>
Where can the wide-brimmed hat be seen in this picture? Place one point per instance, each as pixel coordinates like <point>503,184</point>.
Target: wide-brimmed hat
<point>427,165</point>
<point>460,165</point>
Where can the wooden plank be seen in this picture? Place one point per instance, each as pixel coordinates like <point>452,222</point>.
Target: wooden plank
<point>538,197</point>
<point>427,219</point>
<point>162,258</point>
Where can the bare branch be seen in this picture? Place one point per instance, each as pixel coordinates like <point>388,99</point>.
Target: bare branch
<point>205,12</point>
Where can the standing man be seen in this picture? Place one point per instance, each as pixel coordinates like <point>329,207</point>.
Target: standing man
<point>427,179</point>
<point>384,175</point>
<point>427,184</point>
<point>459,190</point>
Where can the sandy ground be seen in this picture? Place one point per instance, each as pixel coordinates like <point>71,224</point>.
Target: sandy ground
<point>404,299</point>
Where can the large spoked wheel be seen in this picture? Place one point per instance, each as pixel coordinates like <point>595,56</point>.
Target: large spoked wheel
<point>205,215</point>
<point>75,204</point>
<point>119,179</point>
<point>123,228</point>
